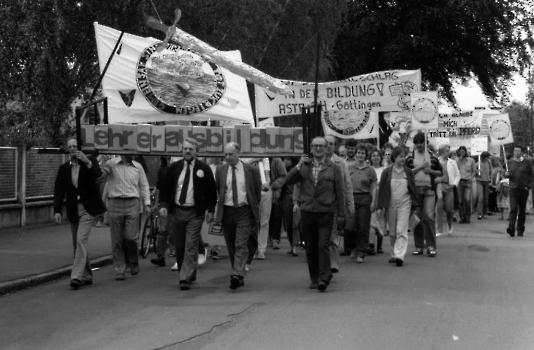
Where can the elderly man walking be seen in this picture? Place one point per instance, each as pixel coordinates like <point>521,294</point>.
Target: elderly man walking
<point>321,192</point>
<point>238,208</point>
<point>188,195</point>
<point>76,180</point>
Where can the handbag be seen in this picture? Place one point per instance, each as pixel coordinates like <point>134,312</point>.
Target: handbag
<point>215,229</point>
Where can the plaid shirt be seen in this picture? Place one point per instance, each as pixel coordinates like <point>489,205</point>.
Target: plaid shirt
<point>316,168</point>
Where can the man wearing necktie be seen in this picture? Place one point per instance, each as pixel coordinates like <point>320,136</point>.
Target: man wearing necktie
<point>239,187</point>
<point>187,192</point>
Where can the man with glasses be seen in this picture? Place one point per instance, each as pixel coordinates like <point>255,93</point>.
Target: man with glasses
<point>321,191</point>
<point>425,169</point>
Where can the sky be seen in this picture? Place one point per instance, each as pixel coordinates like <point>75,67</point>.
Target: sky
<point>471,96</point>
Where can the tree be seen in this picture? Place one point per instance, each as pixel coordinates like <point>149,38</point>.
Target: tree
<point>487,40</point>
<point>521,119</point>
<point>49,54</point>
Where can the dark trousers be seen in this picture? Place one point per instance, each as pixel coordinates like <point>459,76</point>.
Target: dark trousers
<point>318,228</point>
<point>425,232</point>
<point>362,222</point>
<point>237,225</point>
<point>518,206</point>
<point>186,224</point>
<point>275,221</point>
<point>287,214</point>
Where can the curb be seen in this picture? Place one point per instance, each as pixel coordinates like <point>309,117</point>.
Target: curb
<point>41,278</point>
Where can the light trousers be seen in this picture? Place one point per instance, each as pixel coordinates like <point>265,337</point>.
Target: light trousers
<point>81,266</point>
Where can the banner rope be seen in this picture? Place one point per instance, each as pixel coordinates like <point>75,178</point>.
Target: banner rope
<point>297,55</point>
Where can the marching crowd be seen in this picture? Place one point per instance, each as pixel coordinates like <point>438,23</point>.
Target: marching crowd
<point>353,193</point>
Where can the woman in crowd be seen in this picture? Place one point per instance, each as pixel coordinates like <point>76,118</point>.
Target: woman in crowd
<point>397,197</point>
<point>496,175</point>
<point>363,178</point>
<point>446,184</point>
<point>483,178</point>
<point>377,222</point>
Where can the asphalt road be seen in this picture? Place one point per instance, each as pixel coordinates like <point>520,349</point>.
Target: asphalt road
<point>476,294</point>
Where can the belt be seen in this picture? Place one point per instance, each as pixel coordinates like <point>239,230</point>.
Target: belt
<point>124,198</point>
<point>464,180</point>
<point>184,207</point>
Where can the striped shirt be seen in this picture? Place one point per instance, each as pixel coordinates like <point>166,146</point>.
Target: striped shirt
<point>126,180</point>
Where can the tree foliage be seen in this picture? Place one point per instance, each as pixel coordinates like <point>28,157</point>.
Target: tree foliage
<point>49,55</point>
<point>49,52</point>
<point>521,117</point>
<point>486,40</point>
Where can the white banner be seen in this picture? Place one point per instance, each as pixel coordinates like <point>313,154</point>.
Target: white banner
<point>500,129</point>
<point>479,144</point>
<point>379,91</point>
<point>357,125</point>
<point>424,110</point>
<point>143,85</point>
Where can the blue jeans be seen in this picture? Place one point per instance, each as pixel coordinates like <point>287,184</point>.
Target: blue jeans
<point>425,232</point>
<point>464,199</point>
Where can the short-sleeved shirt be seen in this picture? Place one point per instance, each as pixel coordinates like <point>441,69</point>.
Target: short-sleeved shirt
<point>362,178</point>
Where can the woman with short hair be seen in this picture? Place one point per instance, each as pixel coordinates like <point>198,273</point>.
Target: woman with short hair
<point>397,197</point>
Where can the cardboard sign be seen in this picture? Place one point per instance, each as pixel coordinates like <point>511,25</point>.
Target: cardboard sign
<point>170,138</point>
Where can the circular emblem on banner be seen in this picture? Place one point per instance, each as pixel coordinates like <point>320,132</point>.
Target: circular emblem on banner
<point>424,110</point>
<point>499,129</point>
<point>346,123</point>
<point>179,81</point>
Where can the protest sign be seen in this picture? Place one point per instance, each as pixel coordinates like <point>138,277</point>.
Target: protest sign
<point>350,125</point>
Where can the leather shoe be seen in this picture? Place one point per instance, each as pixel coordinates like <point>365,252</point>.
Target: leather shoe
<point>510,232</point>
<point>520,234</point>
<point>236,282</point>
<point>392,260</point>
<point>313,285</point>
<point>120,276</point>
<point>322,286</point>
<point>134,270</point>
<point>160,261</point>
<point>334,270</point>
<point>75,283</point>
<point>398,262</point>
<point>184,285</point>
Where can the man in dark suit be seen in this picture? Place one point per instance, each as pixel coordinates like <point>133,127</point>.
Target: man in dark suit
<point>187,192</point>
<point>238,208</point>
<point>76,179</point>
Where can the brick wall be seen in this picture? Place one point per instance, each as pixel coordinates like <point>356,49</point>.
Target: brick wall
<point>8,182</point>
<point>41,171</point>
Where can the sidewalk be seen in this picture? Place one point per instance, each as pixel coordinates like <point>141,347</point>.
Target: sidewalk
<point>33,255</point>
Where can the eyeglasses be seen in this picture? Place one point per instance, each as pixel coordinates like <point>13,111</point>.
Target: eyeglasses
<point>318,146</point>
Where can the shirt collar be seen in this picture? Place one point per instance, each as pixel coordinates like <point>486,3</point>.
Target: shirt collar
<point>74,163</point>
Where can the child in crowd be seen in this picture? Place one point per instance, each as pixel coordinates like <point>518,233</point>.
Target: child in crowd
<point>503,200</point>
